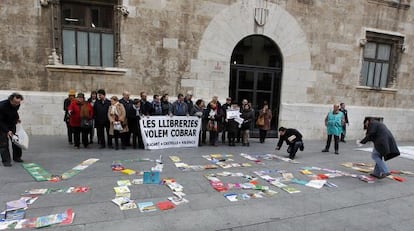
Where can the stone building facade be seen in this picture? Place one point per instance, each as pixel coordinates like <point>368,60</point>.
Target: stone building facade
<point>314,53</point>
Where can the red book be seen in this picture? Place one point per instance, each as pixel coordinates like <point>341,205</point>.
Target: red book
<point>165,205</point>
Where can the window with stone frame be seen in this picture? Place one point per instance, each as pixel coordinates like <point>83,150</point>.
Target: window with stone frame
<point>381,56</point>
<point>88,32</point>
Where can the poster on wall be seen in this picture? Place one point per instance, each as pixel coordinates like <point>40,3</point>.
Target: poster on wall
<point>159,132</point>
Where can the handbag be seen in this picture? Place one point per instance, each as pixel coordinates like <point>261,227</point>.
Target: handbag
<point>260,121</point>
<point>85,123</point>
<point>117,126</point>
<point>21,138</point>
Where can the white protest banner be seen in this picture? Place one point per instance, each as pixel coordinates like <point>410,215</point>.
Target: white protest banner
<point>159,132</point>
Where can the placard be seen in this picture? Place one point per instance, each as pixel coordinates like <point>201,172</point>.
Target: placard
<point>159,132</point>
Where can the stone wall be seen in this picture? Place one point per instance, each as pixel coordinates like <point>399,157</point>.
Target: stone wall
<point>175,46</point>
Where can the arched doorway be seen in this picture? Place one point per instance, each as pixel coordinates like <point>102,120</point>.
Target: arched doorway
<point>255,75</point>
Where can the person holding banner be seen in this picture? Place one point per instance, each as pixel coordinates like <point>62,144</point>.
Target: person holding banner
<point>179,107</point>
<point>198,110</point>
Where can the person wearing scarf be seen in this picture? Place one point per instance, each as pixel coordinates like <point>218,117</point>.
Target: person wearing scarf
<point>80,110</point>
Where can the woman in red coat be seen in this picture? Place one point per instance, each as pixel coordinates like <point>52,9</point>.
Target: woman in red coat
<point>80,112</point>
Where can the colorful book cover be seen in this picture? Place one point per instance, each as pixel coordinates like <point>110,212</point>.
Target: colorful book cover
<point>16,204</point>
<point>29,199</point>
<point>290,189</point>
<point>368,179</point>
<point>306,172</point>
<point>70,173</point>
<point>278,184</point>
<point>15,214</point>
<point>165,205</point>
<point>151,177</point>
<point>297,181</point>
<point>37,172</point>
<point>318,184</point>
<point>270,192</point>
<point>175,159</point>
<point>137,181</point>
<point>128,171</point>
<point>50,220</point>
<point>124,183</point>
<point>175,187</point>
<point>177,200</point>
<point>231,196</point>
<point>117,167</point>
<point>122,191</point>
<point>124,203</point>
<point>56,190</point>
<point>77,189</point>
<point>128,206</point>
<point>147,206</point>
<point>121,200</point>
<point>39,191</point>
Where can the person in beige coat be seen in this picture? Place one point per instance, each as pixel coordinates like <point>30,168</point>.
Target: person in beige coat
<point>117,120</point>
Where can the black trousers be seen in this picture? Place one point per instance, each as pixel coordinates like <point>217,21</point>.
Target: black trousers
<point>4,149</point>
<point>69,132</point>
<point>77,131</point>
<point>293,148</point>
<point>262,135</point>
<point>100,132</point>
<point>328,142</point>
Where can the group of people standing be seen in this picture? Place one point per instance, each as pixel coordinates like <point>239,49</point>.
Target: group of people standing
<point>120,118</point>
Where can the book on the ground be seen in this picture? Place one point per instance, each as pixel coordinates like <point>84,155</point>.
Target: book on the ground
<point>290,189</point>
<point>175,187</point>
<point>297,181</point>
<point>151,177</point>
<point>175,159</point>
<point>318,184</point>
<point>50,220</point>
<point>122,191</point>
<point>29,199</point>
<point>39,191</point>
<point>177,200</point>
<point>278,184</point>
<point>231,196</point>
<point>16,204</point>
<point>77,189</point>
<point>128,171</point>
<point>165,205</point>
<point>137,181</point>
<point>124,183</point>
<point>124,203</point>
<point>147,206</point>
<point>368,179</point>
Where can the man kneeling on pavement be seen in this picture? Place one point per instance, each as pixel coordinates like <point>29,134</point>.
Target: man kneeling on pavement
<point>293,138</point>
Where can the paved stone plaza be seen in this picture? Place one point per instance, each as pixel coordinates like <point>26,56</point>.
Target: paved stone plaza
<point>353,205</point>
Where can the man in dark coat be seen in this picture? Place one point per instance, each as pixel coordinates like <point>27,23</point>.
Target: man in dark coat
<point>9,117</point>
<point>293,138</point>
<point>384,146</point>
<point>100,112</point>
<point>130,115</point>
